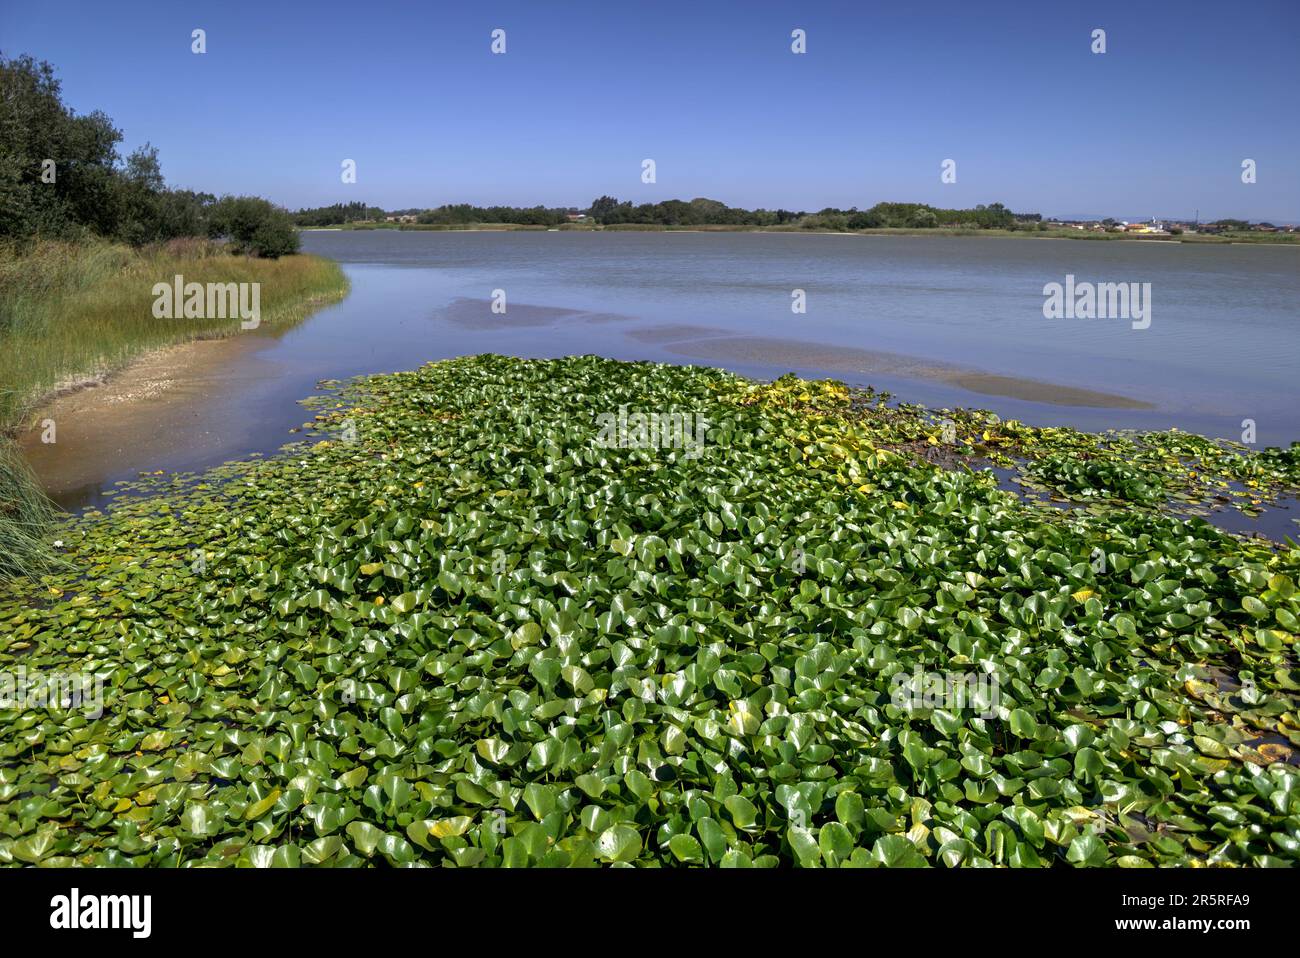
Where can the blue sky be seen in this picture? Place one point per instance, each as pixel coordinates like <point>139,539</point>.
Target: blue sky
<point>1158,125</point>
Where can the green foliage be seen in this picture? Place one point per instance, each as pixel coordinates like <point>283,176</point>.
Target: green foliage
<point>1078,477</point>
<point>473,635</point>
<point>698,212</point>
<point>704,212</point>
<point>464,214</point>
<point>35,126</point>
<point>254,226</point>
<point>337,214</point>
<point>1176,472</point>
<point>92,192</point>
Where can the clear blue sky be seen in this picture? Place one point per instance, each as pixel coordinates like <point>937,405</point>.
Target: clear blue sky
<point>1158,125</point>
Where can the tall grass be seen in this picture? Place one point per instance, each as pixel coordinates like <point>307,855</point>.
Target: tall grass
<point>25,517</point>
<point>74,312</point>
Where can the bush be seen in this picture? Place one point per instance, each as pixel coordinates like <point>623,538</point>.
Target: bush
<point>253,226</point>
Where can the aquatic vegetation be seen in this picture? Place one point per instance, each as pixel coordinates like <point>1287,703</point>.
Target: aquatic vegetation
<point>455,629</point>
<point>1170,471</point>
<point>1096,478</point>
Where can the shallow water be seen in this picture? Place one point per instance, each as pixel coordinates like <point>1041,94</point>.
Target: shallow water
<point>942,321</point>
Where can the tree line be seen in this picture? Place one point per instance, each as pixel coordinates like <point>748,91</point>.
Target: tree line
<point>338,214</point>
<point>62,177</point>
<point>704,212</point>
<point>609,211</point>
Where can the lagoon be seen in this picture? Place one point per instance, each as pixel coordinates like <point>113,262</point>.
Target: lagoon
<point>943,321</point>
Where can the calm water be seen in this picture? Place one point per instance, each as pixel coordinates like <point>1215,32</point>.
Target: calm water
<point>1223,345</point>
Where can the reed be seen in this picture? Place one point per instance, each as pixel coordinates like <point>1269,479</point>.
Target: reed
<point>26,517</point>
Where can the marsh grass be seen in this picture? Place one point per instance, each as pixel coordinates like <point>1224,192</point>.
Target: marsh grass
<point>70,313</point>
<point>26,516</point>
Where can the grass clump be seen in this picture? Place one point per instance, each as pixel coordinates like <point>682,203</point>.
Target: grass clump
<point>26,517</point>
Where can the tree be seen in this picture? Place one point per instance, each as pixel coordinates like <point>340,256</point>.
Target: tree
<point>60,176</point>
<point>57,173</point>
<point>254,226</point>
<point>601,209</point>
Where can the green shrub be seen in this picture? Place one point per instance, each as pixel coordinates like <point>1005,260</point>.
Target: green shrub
<point>254,226</point>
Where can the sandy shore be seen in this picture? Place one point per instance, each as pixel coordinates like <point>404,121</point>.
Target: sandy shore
<point>139,414</point>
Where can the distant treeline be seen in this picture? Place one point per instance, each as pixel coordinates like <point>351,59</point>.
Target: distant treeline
<point>458,214</point>
<point>61,177</point>
<point>698,212</point>
<point>338,214</point>
<point>462,213</point>
<point>608,211</point>
<point>704,212</point>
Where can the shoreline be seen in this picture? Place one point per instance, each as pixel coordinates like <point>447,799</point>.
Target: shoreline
<point>104,420</point>
<point>130,370</point>
<point>95,319</point>
<point>167,405</point>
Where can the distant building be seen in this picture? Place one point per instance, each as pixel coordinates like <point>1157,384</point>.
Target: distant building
<point>1153,227</point>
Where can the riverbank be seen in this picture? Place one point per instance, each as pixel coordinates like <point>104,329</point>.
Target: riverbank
<point>436,631</point>
<point>140,417</point>
<point>74,315</point>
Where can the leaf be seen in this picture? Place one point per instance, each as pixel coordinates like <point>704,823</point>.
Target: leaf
<point>259,808</point>
<point>365,837</point>
<point>619,843</point>
<point>1023,724</point>
<point>895,851</point>
<point>686,849</point>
